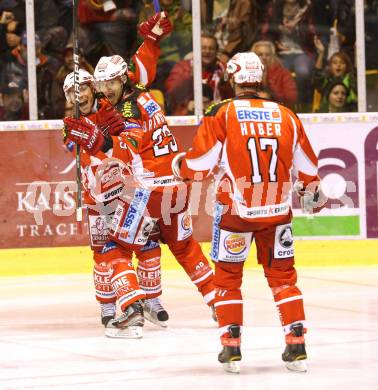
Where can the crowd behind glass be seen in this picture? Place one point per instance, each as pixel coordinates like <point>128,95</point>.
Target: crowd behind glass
<point>307,47</point>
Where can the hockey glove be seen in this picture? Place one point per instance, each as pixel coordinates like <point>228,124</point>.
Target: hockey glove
<point>110,121</point>
<point>311,198</point>
<point>86,134</point>
<point>156,27</point>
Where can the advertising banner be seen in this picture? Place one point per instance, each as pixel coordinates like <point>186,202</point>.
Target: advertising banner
<point>38,182</point>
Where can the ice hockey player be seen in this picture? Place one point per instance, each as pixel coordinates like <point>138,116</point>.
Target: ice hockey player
<point>258,144</point>
<point>164,199</point>
<point>99,197</point>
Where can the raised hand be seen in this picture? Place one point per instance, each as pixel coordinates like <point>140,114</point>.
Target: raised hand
<point>156,27</point>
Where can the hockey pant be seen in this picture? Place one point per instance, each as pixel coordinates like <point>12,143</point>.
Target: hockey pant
<point>169,210</point>
<point>232,237</point>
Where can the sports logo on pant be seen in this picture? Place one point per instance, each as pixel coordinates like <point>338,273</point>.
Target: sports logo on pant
<point>98,230</point>
<point>283,243</point>
<point>234,246</point>
<point>144,231</point>
<point>184,225</point>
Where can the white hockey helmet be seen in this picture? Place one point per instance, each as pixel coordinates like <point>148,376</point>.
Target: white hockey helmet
<point>84,78</point>
<point>245,68</point>
<point>109,68</point>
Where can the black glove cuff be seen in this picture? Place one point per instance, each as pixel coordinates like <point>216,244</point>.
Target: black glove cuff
<point>108,144</point>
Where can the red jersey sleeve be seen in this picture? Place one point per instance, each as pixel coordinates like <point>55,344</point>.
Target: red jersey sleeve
<point>207,145</point>
<point>145,60</point>
<point>305,161</point>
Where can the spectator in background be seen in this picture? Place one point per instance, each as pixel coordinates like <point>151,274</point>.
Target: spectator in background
<point>8,34</point>
<point>265,93</point>
<point>57,95</point>
<point>68,109</point>
<point>276,78</point>
<point>236,30</point>
<point>15,70</point>
<point>371,34</point>
<point>108,31</point>
<point>291,27</point>
<point>339,67</point>
<point>65,15</point>
<point>52,36</point>
<point>346,26</point>
<point>14,102</point>
<point>212,73</point>
<point>176,45</point>
<point>335,98</point>
<point>179,42</point>
<point>184,98</point>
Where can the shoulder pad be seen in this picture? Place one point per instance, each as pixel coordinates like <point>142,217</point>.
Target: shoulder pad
<point>214,108</point>
<point>129,109</point>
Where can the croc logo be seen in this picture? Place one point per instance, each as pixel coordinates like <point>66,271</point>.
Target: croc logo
<point>235,244</point>
<point>286,237</point>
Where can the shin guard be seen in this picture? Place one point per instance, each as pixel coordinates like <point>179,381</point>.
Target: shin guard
<point>125,283</point>
<point>149,269</point>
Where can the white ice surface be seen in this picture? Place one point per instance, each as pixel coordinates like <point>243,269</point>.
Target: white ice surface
<point>51,337</point>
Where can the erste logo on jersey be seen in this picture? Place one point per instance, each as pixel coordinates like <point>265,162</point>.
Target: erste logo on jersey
<point>235,244</point>
<point>258,114</point>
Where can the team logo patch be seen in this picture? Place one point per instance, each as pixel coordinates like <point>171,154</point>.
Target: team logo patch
<point>144,231</point>
<point>233,248</point>
<point>235,244</point>
<point>184,225</point>
<point>151,107</point>
<point>98,230</point>
<point>283,243</point>
<point>286,237</point>
<point>186,222</point>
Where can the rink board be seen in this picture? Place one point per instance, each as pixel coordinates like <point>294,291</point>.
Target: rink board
<point>72,260</point>
<point>38,196</point>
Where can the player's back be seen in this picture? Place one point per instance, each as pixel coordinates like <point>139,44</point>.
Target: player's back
<point>257,155</point>
<point>159,146</point>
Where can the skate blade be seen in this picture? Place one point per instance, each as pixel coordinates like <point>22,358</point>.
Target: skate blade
<point>297,365</point>
<point>163,324</point>
<point>233,367</point>
<point>130,332</point>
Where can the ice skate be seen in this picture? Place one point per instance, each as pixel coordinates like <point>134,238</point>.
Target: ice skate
<point>295,355</point>
<point>108,311</point>
<point>230,355</point>
<point>155,312</point>
<point>129,325</point>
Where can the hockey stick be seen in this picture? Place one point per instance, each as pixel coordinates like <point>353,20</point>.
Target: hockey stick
<point>76,60</point>
<point>156,6</point>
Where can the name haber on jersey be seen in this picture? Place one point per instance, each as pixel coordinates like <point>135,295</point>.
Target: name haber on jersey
<point>256,121</point>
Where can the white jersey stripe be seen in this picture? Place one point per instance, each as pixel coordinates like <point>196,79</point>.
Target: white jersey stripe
<point>207,161</point>
<point>290,299</point>
<point>230,302</point>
